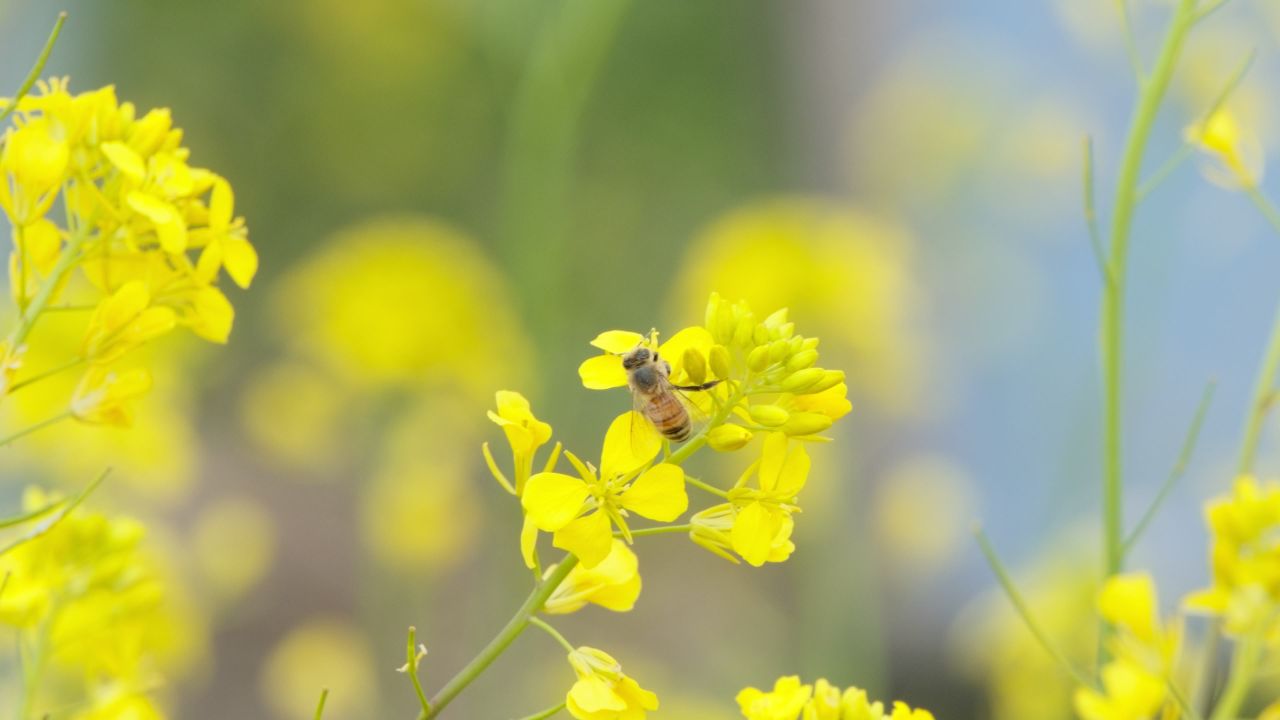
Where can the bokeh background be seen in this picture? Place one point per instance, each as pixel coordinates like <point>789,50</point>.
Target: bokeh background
<point>452,198</point>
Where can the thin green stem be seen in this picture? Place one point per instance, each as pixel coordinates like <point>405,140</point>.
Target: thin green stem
<point>411,667</point>
<point>1211,8</point>
<point>324,696</point>
<point>36,69</point>
<point>549,712</point>
<point>34,428</point>
<point>664,530</point>
<point>1126,195</point>
<point>1179,467</point>
<point>67,260</point>
<point>502,640</point>
<point>1131,47</point>
<point>1187,710</point>
<point>546,627</point>
<point>1264,392</point>
<point>74,363</point>
<point>1244,666</point>
<point>48,524</point>
<point>1024,611</point>
<point>1091,213</point>
<point>706,487</point>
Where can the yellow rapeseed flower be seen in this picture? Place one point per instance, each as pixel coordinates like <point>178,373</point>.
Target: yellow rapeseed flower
<point>1238,159</point>
<point>791,700</point>
<point>1142,650</point>
<point>603,691</point>
<point>105,396</point>
<point>687,351</point>
<point>614,584</point>
<point>123,321</point>
<point>785,702</point>
<point>583,510</point>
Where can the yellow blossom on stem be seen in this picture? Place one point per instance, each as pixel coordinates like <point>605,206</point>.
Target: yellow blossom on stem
<point>583,510</point>
<point>1239,159</point>
<point>603,692</point>
<point>791,700</point>
<point>614,584</point>
<point>525,434</point>
<point>104,396</point>
<point>687,351</point>
<point>123,321</point>
<point>785,702</point>
<point>762,515</point>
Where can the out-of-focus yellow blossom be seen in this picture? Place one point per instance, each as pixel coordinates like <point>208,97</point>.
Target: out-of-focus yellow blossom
<point>139,208</point>
<point>420,511</point>
<point>105,396</point>
<point>1239,160</point>
<point>790,700</point>
<point>1245,556</point>
<point>844,273</point>
<point>614,584</point>
<point>87,599</point>
<point>322,652</point>
<point>403,302</point>
<point>1134,685</point>
<point>916,536</point>
<point>123,321</point>
<point>603,691</point>
<point>785,702</point>
<point>233,542</point>
<point>294,411</point>
<point>756,523</point>
<point>583,510</point>
<point>117,704</point>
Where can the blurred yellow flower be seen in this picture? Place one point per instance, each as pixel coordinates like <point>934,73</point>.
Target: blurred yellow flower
<point>916,535</point>
<point>233,542</point>
<point>1142,652</point>
<point>790,700</point>
<point>105,396</point>
<point>294,412</point>
<point>614,584</point>
<point>1239,159</point>
<point>602,691</point>
<point>403,302</point>
<point>843,272</point>
<point>322,652</point>
<point>1245,556</point>
<point>123,321</point>
<point>583,510</point>
<point>1129,692</point>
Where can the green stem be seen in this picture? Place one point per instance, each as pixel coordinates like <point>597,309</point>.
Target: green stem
<point>1243,668</point>
<point>546,627</point>
<point>502,640</point>
<point>664,530</point>
<point>324,695</point>
<point>69,257</point>
<point>411,667</point>
<point>38,426</point>
<point>1126,195</point>
<point>46,374</point>
<point>549,712</point>
<point>1264,384</point>
<point>706,487</point>
<point>36,69</point>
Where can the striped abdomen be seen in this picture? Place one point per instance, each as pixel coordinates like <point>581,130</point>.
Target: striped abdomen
<point>669,416</point>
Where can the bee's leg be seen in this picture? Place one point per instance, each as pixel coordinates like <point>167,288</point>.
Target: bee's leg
<point>704,386</point>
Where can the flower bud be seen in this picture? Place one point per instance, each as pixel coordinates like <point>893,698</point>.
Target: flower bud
<point>769,415</point>
<point>830,379</point>
<point>802,360</point>
<point>760,335</point>
<point>720,363</point>
<point>758,359</point>
<point>778,350</point>
<point>786,330</point>
<point>802,380</point>
<point>695,366</point>
<point>806,423</point>
<point>810,343</point>
<point>777,319</point>
<point>744,330</point>
<point>729,437</point>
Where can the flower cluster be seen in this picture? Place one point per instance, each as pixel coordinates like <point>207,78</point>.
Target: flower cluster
<point>88,602</point>
<point>744,378</point>
<point>1142,653</point>
<point>791,700</point>
<point>142,240</point>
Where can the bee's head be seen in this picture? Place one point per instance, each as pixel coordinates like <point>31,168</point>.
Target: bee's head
<point>636,358</point>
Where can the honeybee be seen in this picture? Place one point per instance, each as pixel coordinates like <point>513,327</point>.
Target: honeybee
<point>648,376</point>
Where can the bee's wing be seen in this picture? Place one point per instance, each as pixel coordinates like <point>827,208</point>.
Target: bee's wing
<point>700,404</point>
<point>645,439</point>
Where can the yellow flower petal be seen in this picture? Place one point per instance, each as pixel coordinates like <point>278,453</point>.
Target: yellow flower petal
<point>752,534</point>
<point>240,260</point>
<point>629,443</point>
<point>553,500</point>
<point>529,542</point>
<point>617,341</point>
<point>658,494</point>
<point>602,372</point>
<point>794,472</point>
<point>125,159</point>
<point>588,537</point>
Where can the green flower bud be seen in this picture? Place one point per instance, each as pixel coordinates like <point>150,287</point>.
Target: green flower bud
<point>778,349</point>
<point>744,331</point>
<point>729,437</point>
<point>776,320</point>
<point>760,336</point>
<point>810,343</point>
<point>769,415</point>
<point>758,359</point>
<point>802,380</point>
<point>720,364</point>
<point>806,423</point>
<point>695,366</point>
<point>802,360</point>
<point>830,379</point>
